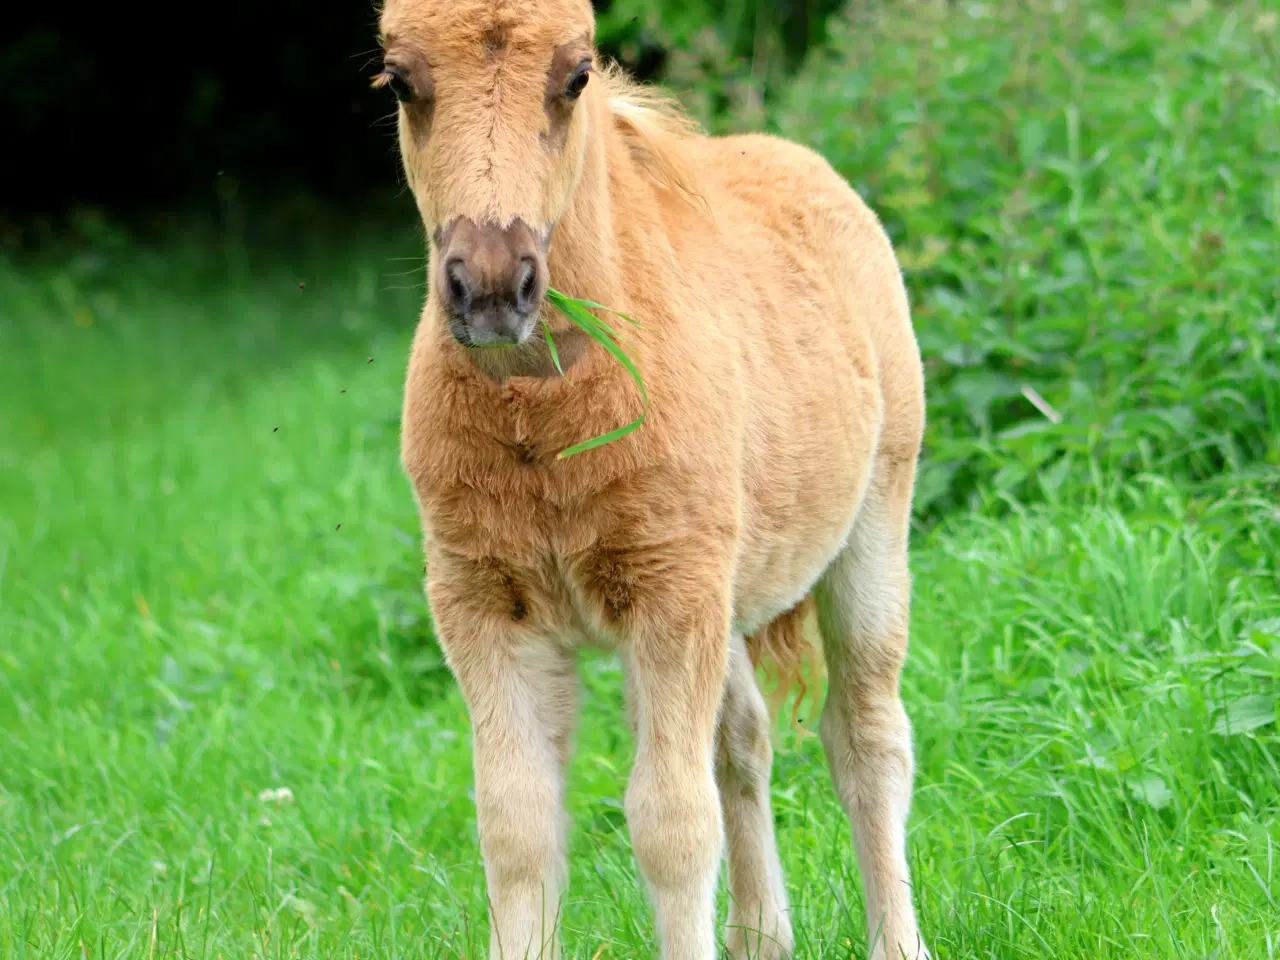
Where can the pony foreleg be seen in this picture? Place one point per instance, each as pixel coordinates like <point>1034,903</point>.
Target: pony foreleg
<point>672,806</point>
<point>521,701</point>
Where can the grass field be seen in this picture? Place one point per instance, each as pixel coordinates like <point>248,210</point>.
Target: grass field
<point>225,728</point>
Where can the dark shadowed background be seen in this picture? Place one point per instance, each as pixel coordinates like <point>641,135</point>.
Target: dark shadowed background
<point>137,107</point>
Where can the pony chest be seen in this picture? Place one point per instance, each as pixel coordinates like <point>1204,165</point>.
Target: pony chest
<point>525,565</point>
<point>597,595</point>
<point>538,551</point>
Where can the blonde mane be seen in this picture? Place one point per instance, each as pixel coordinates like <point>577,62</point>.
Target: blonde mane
<point>657,129</point>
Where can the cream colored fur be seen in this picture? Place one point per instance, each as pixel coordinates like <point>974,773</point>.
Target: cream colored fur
<point>776,465</point>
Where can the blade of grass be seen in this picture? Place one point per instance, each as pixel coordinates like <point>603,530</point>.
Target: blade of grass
<point>551,345</point>
<point>617,313</point>
<point>603,335</point>
<point>601,440</point>
<point>577,312</point>
<point>565,303</point>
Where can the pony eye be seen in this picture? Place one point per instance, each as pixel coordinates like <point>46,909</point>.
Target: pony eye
<point>397,80</point>
<point>578,81</point>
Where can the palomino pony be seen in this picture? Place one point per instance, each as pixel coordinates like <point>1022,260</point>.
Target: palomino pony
<point>776,465</point>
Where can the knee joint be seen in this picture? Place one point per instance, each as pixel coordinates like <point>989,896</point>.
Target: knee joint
<point>675,825</point>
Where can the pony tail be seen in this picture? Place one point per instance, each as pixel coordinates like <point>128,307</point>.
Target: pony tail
<point>788,656</point>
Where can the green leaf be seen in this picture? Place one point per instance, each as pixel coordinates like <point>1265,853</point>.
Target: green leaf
<point>617,313</point>
<point>1245,714</point>
<point>601,332</point>
<point>1152,791</point>
<point>601,440</point>
<point>1267,628</point>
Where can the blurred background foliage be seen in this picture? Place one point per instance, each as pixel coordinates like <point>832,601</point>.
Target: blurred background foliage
<point>727,57</point>
<point>1090,240</point>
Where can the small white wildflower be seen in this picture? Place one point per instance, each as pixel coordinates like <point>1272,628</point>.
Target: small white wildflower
<point>278,795</point>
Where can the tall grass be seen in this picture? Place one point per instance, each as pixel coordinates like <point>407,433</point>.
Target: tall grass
<point>226,730</point>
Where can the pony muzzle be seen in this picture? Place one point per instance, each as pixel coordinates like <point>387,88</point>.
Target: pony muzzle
<point>492,280</point>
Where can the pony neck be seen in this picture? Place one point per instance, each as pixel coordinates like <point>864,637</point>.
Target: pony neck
<point>584,260</point>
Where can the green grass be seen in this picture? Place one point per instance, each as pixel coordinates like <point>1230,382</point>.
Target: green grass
<point>210,575</point>
<point>186,626</point>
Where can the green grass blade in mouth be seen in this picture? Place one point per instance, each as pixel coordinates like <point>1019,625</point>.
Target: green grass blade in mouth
<point>601,440</point>
<point>592,305</point>
<point>578,313</point>
<point>551,345</point>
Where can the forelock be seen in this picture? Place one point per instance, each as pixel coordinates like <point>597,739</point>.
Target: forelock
<point>491,24</point>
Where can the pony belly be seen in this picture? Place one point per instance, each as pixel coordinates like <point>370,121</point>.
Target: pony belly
<point>802,505</point>
<point>777,576</point>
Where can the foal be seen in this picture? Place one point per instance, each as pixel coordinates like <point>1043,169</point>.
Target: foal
<point>776,465</point>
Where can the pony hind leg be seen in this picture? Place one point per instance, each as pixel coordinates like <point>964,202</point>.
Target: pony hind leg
<point>863,602</point>
<point>759,926</point>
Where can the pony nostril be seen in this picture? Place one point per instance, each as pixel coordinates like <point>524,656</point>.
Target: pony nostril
<point>459,282</point>
<point>528,287</point>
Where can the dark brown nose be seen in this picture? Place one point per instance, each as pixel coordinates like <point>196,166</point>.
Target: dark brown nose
<point>492,281</point>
